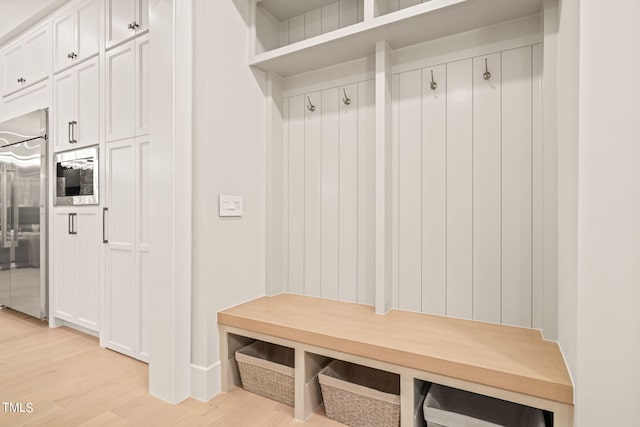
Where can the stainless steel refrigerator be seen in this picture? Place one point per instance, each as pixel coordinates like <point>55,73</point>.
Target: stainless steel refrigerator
<point>23,214</point>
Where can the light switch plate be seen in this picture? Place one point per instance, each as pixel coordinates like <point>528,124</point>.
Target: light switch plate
<point>229,205</point>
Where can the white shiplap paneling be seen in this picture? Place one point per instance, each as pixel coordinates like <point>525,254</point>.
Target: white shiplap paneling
<point>487,190</point>
<point>330,191</point>
<point>312,194</point>
<point>296,194</point>
<point>366,192</point>
<point>348,199</point>
<point>434,191</point>
<point>459,189</point>
<point>516,186</point>
<point>410,195</point>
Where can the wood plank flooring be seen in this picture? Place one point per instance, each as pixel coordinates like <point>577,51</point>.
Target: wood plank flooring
<point>71,381</point>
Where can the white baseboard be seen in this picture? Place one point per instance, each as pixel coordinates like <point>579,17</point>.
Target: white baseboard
<point>205,381</point>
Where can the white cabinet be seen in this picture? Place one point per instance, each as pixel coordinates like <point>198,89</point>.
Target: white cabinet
<point>26,61</point>
<point>127,250</point>
<point>76,266</point>
<point>127,92</point>
<point>76,106</point>
<point>75,35</point>
<point>125,19</point>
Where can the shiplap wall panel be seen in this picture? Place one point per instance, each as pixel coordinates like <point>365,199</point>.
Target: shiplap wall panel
<point>459,189</point>
<point>313,23</point>
<point>330,191</point>
<point>395,171</point>
<point>296,194</point>
<point>408,3</point>
<point>434,191</point>
<point>330,18</point>
<point>320,21</point>
<point>348,12</point>
<point>516,186</point>
<point>348,199</point>
<point>296,29</point>
<point>537,186</point>
<point>312,194</point>
<point>366,192</point>
<point>284,33</point>
<point>487,190</point>
<point>410,195</point>
<point>285,193</point>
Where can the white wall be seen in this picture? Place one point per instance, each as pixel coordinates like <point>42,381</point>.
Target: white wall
<point>15,13</point>
<point>228,158</point>
<point>567,128</point>
<point>608,335</point>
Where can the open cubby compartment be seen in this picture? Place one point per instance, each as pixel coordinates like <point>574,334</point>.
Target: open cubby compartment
<point>463,402</point>
<point>279,23</point>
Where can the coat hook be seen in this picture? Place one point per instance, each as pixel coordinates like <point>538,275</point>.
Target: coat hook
<point>310,106</point>
<point>346,99</point>
<point>487,74</point>
<point>434,85</point>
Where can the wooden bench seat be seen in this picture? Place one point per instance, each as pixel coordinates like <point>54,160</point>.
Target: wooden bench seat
<point>509,358</point>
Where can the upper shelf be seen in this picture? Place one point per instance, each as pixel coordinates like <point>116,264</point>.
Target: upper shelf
<point>405,27</point>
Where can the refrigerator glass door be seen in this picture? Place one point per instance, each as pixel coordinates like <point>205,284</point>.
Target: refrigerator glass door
<point>21,236</point>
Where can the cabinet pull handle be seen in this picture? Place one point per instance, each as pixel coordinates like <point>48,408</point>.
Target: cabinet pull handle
<point>72,132</point>
<point>104,225</point>
<point>72,223</point>
<point>21,80</point>
<point>133,25</point>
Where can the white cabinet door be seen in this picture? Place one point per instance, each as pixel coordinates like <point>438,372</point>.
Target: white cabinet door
<point>64,263</point>
<point>121,17</point>
<point>26,101</point>
<point>142,85</point>
<point>143,213</point>
<point>142,15</point>
<point>122,289</point>
<point>87,17</point>
<point>63,109</point>
<point>87,111</point>
<point>75,35</point>
<point>121,92</point>
<point>37,51</point>
<point>12,67</point>
<point>64,40</point>
<point>88,241</point>
<point>76,266</point>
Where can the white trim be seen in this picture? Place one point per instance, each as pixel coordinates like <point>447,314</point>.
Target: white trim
<point>205,381</point>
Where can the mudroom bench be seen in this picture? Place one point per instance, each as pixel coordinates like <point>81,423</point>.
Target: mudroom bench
<point>508,363</point>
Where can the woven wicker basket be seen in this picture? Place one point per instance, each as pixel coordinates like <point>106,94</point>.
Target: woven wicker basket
<point>267,369</point>
<point>360,396</point>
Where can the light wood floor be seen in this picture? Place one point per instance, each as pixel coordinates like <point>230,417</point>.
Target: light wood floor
<point>71,381</point>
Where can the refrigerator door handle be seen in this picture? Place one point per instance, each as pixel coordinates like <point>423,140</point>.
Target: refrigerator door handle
<point>104,225</point>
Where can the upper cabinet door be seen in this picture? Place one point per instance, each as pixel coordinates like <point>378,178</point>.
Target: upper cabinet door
<point>75,35</point>
<point>12,67</point>
<point>142,15</point>
<point>64,40</point>
<point>142,85</point>
<point>37,48</point>
<point>87,29</point>
<point>87,103</point>
<point>121,21</point>
<point>64,94</point>
<point>121,92</point>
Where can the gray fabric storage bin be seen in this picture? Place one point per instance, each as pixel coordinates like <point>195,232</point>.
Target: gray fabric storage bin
<point>450,407</point>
